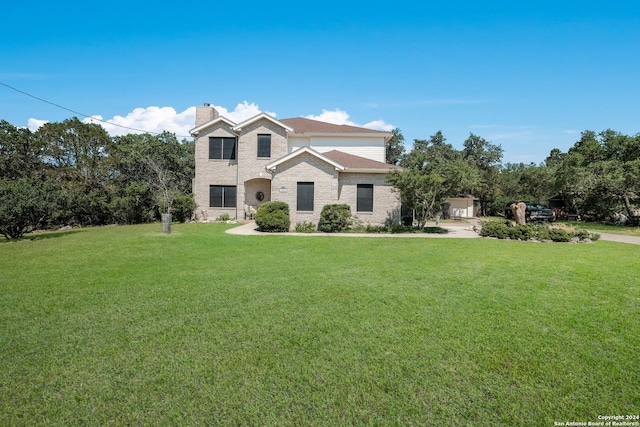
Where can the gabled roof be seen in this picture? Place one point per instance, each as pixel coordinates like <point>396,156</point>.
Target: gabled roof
<point>308,126</point>
<point>305,149</point>
<point>196,130</point>
<point>343,162</point>
<point>353,163</point>
<point>261,116</point>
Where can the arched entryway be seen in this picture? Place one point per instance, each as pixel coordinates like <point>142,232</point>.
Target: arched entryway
<point>256,192</point>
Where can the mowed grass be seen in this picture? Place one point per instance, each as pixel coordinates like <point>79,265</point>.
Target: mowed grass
<point>127,326</point>
<point>625,230</point>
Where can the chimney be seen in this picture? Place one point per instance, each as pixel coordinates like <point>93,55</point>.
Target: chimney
<point>205,114</point>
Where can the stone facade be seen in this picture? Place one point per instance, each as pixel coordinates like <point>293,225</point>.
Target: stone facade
<point>255,184</point>
<point>251,172</point>
<point>213,172</point>
<point>386,205</point>
<point>305,168</point>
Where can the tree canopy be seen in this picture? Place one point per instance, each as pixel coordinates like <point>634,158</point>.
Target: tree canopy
<point>431,171</point>
<point>597,177</point>
<point>74,173</point>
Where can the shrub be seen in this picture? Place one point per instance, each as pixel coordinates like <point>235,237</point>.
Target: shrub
<point>356,224</point>
<point>581,234</point>
<point>377,228</point>
<point>183,207</point>
<point>305,227</point>
<point>223,217</point>
<point>273,217</point>
<point>520,232</point>
<point>498,229</point>
<point>435,230</point>
<point>559,235</point>
<point>334,218</point>
<point>540,231</point>
<point>26,204</point>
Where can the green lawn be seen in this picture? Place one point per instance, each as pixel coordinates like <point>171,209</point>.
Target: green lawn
<point>127,326</point>
<point>606,228</point>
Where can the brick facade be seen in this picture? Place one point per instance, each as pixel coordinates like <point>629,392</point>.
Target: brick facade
<point>305,168</point>
<point>212,172</point>
<point>251,179</point>
<point>386,205</point>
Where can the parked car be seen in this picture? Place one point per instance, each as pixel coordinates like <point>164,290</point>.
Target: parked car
<point>534,212</point>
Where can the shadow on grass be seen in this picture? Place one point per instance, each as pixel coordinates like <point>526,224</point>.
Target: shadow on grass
<point>44,235</point>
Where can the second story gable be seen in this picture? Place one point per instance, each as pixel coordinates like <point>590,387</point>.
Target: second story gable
<point>324,137</point>
<point>262,139</point>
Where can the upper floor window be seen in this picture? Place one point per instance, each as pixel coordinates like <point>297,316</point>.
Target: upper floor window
<point>264,145</point>
<point>222,148</point>
<point>364,201</point>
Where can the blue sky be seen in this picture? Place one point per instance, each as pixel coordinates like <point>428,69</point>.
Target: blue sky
<point>530,76</point>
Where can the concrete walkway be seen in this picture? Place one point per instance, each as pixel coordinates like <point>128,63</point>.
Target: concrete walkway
<point>618,238</point>
<point>461,231</point>
<point>456,230</point>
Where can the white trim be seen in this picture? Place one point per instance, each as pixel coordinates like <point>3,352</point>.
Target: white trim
<point>306,149</point>
<point>239,126</point>
<point>195,131</point>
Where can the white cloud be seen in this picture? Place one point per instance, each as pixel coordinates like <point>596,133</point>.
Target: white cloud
<point>339,117</point>
<point>150,119</point>
<point>159,119</point>
<point>379,125</point>
<point>34,124</point>
<point>242,112</point>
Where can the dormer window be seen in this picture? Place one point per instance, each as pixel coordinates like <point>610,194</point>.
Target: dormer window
<point>264,145</point>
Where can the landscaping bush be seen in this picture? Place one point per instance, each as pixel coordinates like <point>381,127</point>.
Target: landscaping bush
<point>224,217</point>
<point>497,229</point>
<point>305,227</point>
<point>273,217</point>
<point>183,207</point>
<point>581,234</point>
<point>540,231</point>
<point>559,235</point>
<point>334,218</point>
<point>521,232</point>
<point>356,225</point>
<point>377,228</point>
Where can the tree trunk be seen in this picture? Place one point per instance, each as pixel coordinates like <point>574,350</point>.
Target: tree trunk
<point>630,215</point>
<point>166,223</point>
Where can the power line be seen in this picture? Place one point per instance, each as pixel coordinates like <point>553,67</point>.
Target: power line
<point>82,114</point>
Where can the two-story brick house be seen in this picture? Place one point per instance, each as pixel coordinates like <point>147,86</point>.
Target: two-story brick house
<point>305,163</point>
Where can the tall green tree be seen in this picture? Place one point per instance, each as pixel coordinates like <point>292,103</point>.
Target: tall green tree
<point>75,156</point>
<point>153,173</point>
<point>432,171</point>
<point>21,154</point>
<point>486,158</point>
<point>26,204</point>
<point>599,174</point>
<point>394,148</point>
